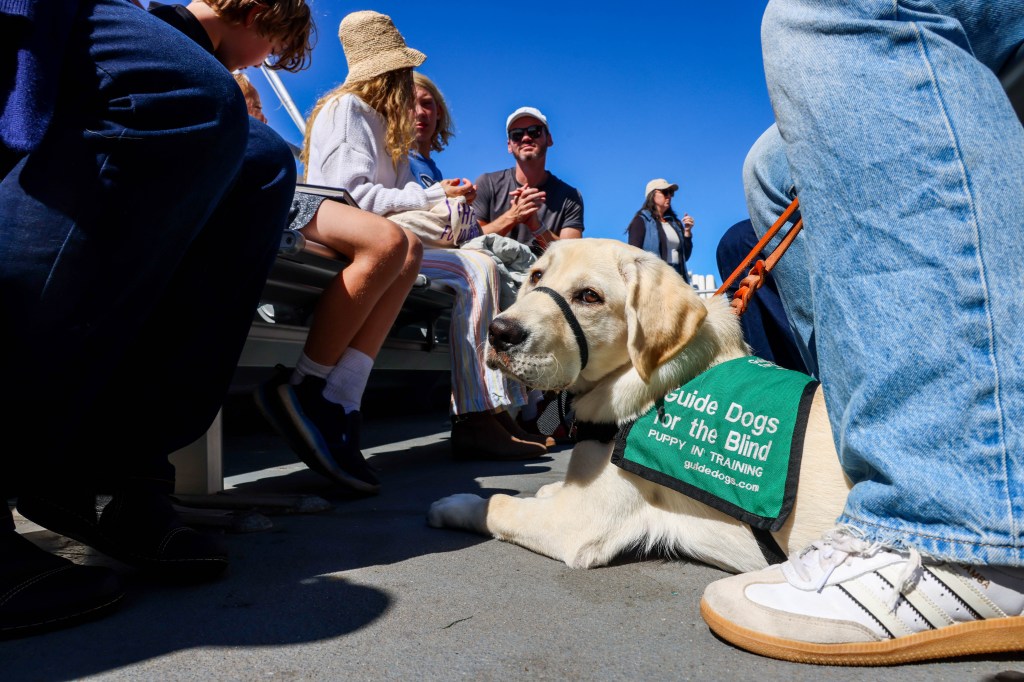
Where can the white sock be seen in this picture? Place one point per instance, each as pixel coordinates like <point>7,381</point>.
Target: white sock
<point>306,367</point>
<point>347,381</point>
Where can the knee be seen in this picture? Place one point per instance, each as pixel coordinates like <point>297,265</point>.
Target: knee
<point>766,169</point>
<point>265,184</point>
<point>259,199</point>
<point>755,162</point>
<point>391,246</point>
<point>414,254</point>
<point>218,129</point>
<point>394,241</point>
<point>226,99</point>
<point>269,162</point>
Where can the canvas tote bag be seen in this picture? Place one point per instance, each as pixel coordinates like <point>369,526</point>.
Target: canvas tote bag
<point>447,225</point>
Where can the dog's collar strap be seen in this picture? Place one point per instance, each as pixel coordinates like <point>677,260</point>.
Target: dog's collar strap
<point>574,324</point>
<point>602,432</point>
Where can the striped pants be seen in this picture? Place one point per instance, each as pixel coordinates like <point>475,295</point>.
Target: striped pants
<point>474,277</point>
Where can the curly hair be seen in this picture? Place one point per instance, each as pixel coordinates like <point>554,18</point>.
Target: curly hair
<point>445,129</point>
<point>287,22</point>
<point>390,95</point>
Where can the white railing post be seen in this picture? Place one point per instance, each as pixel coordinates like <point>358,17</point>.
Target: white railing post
<point>286,99</point>
<point>704,284</point>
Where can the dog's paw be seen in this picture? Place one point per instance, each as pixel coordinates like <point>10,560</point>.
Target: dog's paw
<point>464,510</point>
<point>549,489</point>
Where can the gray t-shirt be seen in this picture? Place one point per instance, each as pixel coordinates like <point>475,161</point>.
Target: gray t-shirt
<point>563,206</point>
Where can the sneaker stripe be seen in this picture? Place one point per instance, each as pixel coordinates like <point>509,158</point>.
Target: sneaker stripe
<point>872,606</point>
<point>948,593</point>
<point>914,598</point>
<point>960,586</point>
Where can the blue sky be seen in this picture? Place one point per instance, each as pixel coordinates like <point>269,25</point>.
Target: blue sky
<point>673,90</point>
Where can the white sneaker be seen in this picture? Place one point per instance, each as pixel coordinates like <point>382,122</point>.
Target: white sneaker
<point>844,601</point>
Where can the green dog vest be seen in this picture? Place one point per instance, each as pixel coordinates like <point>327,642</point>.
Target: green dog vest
<point>730,438</point>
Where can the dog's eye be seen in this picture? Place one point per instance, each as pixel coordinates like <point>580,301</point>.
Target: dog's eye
<point>535,276</point>
<point>588,296</point>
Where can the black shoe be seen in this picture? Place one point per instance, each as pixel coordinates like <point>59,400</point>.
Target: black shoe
<point>268,399</point>
<point>138,529</point>
<point>40,592</point>
<point>330,436</point>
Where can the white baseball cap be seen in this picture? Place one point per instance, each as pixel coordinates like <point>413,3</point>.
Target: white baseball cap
<point>525,111</point>
<point>659,183</point>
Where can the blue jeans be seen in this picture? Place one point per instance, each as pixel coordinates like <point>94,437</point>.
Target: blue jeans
<point>909,164</point>
<point>134,245</point>
<point>765,326</point>
<point>770,189</point>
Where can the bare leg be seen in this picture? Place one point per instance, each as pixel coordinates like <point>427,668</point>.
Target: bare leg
<point>361,303</point>
<point>371,335</point>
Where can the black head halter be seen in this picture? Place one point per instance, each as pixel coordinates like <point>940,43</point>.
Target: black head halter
<point>574,324</point>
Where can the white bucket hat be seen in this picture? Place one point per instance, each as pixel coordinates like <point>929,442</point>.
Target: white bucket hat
<point>659,183</point>
<point>372,46</point>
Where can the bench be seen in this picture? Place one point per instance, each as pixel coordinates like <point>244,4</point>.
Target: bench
<point>418,340</point>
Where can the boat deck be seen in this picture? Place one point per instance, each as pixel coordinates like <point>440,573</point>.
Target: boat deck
<point>367,591</point>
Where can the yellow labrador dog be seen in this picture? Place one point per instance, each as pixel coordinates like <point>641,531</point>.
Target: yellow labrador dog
<point>644,331</point>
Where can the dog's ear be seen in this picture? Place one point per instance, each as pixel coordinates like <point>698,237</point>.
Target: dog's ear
<point>662,313</point>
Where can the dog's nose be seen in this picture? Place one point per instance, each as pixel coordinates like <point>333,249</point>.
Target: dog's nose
<point>504,333</point>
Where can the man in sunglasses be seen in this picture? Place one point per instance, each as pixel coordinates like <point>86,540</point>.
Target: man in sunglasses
<point>527,202</point>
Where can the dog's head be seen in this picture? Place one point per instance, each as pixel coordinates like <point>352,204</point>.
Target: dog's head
<point>629,307</point>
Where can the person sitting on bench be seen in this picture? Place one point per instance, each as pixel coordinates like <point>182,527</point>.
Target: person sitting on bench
<point>360,133</point>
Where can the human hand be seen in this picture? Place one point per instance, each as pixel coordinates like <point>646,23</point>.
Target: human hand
<point>455,187</point>
<point>687,225</point>
<point>526,201</point>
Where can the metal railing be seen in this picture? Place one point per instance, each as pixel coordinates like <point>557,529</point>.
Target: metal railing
<point>704,284</point>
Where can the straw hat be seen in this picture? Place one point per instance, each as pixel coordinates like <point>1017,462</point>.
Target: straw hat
<point>373,46</point>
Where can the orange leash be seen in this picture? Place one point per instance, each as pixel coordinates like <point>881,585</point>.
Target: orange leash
<point>755,278</point>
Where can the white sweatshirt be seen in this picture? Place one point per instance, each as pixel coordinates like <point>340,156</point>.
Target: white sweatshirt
<point>347,150</point>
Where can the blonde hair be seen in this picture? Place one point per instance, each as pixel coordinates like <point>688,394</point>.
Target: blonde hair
<point>445,129</point>
<point>252,95</point>
<point>287,22</point>
<point>390,95</point>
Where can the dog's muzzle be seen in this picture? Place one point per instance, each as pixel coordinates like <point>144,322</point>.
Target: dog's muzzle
<point>504,334</point>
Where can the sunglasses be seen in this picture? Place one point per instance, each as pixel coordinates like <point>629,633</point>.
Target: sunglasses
<point>667,192</point>
<point>517,134</point>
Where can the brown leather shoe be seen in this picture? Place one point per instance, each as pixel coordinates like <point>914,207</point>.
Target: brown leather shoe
<point>513,427</point>
<point>480,436</point>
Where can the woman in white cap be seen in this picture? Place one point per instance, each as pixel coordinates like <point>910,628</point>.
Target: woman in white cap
<point>656,227</point>
<point>360,137</point>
